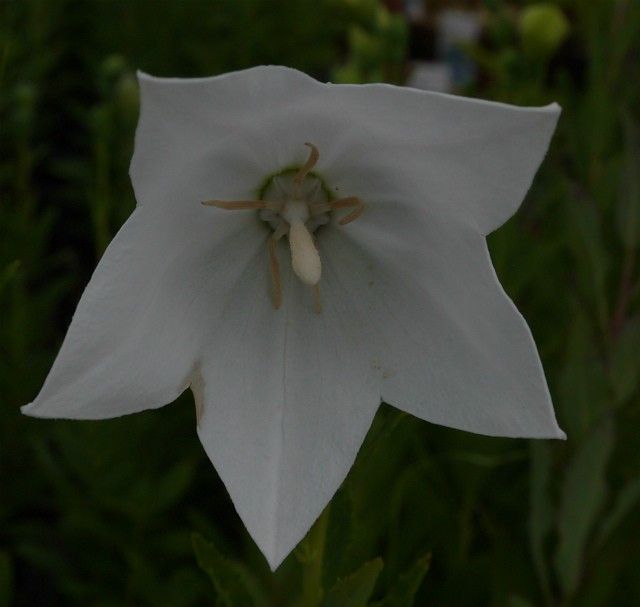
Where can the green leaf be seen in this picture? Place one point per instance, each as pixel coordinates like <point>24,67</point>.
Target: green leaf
<point>583,496</point>
<point>403,592</point>
<point>355,589</point>
<point>8,273</point>
<point>591,255</point>
<point>583,387</point>
<point>336,561</point>
<point>540,509</point>
<point>628,200</point>
<point>6,579</point>
<point>172,486</point>
<point>625,362</point>
<point>625,502</point>
<point>233,583</point>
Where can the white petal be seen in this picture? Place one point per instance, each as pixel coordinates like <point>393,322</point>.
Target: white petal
<point>286,397</point>
<point>214,137</point>
<point>286,403</point>
<point>470,158</point>
<point>451,346</point>
<point>151,304</point>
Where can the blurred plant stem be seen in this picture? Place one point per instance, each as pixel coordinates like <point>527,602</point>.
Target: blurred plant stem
<point>102,195</point>
<point>625,294</point>
<point>311,555</point>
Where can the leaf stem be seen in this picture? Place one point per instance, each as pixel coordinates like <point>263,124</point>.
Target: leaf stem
<point>312,558</point>
<point>625,291</point>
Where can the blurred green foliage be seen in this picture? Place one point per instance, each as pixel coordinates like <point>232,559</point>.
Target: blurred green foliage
<point>130,512</point>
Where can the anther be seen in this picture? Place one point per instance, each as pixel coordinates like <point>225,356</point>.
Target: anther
<point>274,266</point>
<point>297,214</point>
<point>241,205</point>
<point>341,203</point>
<point>351,216</point>
<point>311,162</point>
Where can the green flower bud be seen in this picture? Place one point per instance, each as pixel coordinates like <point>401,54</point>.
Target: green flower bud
<point>25,97</point>
<point>348,74</point>
<point>127,95</point>
<point>113,65</point>
<point>543,28</point>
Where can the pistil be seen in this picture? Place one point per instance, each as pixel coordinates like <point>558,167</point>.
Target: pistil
<point>305,258</point>
<point>297,217</point>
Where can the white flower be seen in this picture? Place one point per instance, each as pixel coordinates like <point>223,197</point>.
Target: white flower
<point>287,377</point>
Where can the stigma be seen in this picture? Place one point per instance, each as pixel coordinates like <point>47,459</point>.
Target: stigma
<point>295,203</point>
<point>305,258</point>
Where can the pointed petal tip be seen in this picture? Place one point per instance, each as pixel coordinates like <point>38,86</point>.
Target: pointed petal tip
<point>552,433</point>
<point>560,434</point>
<point>33,410</point>
<point>27,410</point>
<point>145,76</point>
<point>277,555</point>
<point>554,107</point>
<point>274,561</point>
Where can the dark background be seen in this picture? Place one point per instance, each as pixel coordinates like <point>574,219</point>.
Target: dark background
<point>130,511</point>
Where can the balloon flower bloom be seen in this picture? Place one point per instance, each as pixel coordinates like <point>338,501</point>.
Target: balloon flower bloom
<point>299,253</point>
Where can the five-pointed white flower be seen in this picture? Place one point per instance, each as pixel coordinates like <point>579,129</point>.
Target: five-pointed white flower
<point>411,310</point>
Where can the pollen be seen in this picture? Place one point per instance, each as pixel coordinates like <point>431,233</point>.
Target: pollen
<point>295,204</point>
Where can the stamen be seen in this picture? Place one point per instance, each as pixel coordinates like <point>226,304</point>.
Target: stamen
<point>305,258</point>
<point>317,303</point>
<point>236,205</point>
<point>341,203</point>
<point>318,208</point>
<point>348,201</point>
<point>351,216</point>
<point>311,162</point>
<point>275,274</point>
<point>274,266</point>
<point>297,214</point>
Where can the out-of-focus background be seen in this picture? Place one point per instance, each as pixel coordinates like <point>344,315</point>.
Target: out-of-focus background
<point>130,512</point>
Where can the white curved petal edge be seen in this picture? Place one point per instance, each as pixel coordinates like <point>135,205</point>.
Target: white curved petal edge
<point>450,345</point>
<point>413,313</point>
<point>144,318</point>
<point>282,421</point>
<point>471,158</point>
